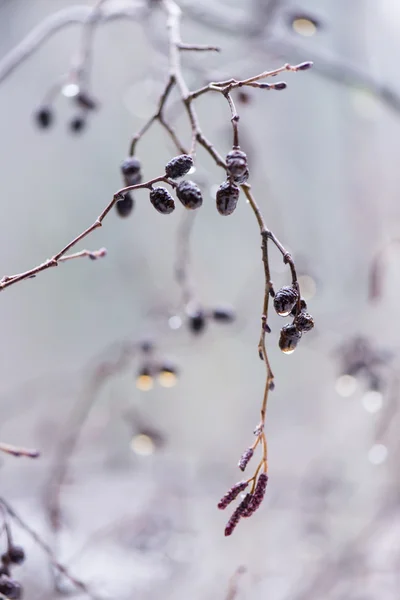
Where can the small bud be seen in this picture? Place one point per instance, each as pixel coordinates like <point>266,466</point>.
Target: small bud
<point>227,198</point>
<point>197,321</point>
<point>303,306</point>
<point>77,124</point>
<point>178,166</point>
<point>189,194</point>
<point>284,300</point>
<point>280,85</point>
<point>44,117</point>
<point>236,166</point>
<point>232,494</point>
<point>289,339</point>
<point>245,458</point>
<point>131,171</point>
<point>162,200</point>
<point>223,314</point>
<point>167,375</point>
<point>304,322</point>
<point>304,66</point>
<point>125,206</point>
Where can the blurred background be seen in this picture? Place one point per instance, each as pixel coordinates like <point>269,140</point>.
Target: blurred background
<point>131,470</point>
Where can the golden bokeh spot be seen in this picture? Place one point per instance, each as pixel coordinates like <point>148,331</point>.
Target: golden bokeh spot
<point>144,383</point>
<point>304,26</point>
<point>167,379</point>
<point>142,444</point>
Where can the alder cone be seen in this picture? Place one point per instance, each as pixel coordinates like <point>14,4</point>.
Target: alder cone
<point>125,206</point>
<point>162,200</point>
<point>179,166</point>
<point>284,300</point>
<point>189,194</point>
<point>236,166</point>
<point>131,170</point>
<point>227,198</point>
<point>289,338</point>
<point>304,322</point>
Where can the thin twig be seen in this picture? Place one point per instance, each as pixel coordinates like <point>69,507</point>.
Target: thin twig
<point>46,549</point>
<point>19,450</point>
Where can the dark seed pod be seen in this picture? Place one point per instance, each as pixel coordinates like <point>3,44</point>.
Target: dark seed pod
<point>284,300</point>
<point>162,200</point>
<point>304,321</point>
<point>44,117</point>
<point>223,314</point>
<point>178,166</point>
<point>10,588</point>
<point>125,206</point>
<point>131,171</point>
<point>227,198</point>
<point>189,194</point>
<point>232,494</point>
<point>77,124</point>
<point>16,554</point>
<point>236,166</point>
<point>245,458</point>
<point>303,306</point>
<point>197,321</point>
<point>289,339</point>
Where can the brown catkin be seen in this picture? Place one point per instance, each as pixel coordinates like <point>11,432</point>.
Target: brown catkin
<point>238,513</point>
<point>245,458</point>
<point>257,496</point>
<point>232,494</point>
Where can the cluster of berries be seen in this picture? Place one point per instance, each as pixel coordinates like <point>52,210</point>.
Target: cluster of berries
<point>288,302</point>
<point>187,191</point>
<point>10,588</point>
<point>197,318</point>
<point>237,173</point>
<point>44,115</point>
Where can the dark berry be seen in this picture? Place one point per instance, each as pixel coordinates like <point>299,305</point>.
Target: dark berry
<point>125,205</point>
<point>131,171</point>
<point>304,322</point>
<point>77,124</point>
<point>44,117</point>
<point>162,200</point>
<point>16,554</point>
<point>284,300</point>
<point>289,339</point>
<point>189,194</point>
<point>197,321</point>
<point>227,198</point>
<point>178,166</point>
<point>236,166</point>
<point>10,588</point>
<point>223,314</point>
